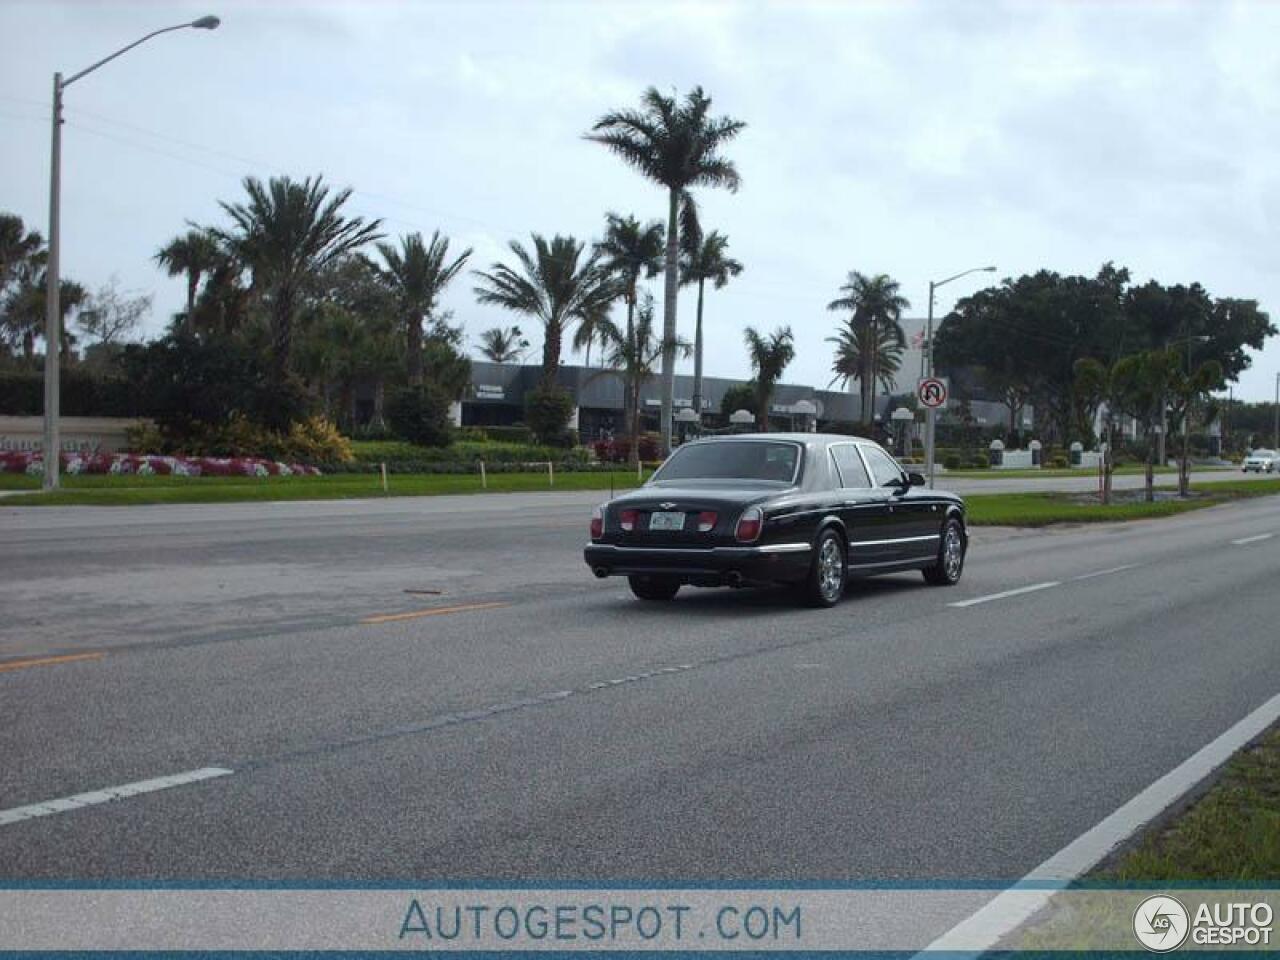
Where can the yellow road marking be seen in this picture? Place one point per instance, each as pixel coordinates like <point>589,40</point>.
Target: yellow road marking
<point>47,661</point>
<point>432,612</point>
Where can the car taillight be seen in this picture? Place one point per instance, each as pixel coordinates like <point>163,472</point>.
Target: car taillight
<point>597,523</point>
<point>706,521</point>
<point>749,524</point>
<point>627,520</point>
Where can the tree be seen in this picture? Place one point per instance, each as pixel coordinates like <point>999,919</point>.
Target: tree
<point>629,251</point>
<point>1141,384</point>
<point>769,357</point>
<point>704,258</point>
<point>591,328</point>
<point>1100,386</point>
<point>741,396</point>
<point>873,302</point>
<point>25,308</point>
<point>194,254</point>
<point>633,357</point>
<point>286,233</point>
<point>677,145</point>
<point>554,284</point>
<point>502,344</point>
<point>417,273</point>
<point>111,314</point>
<point>855,348</point>
<point>1186,388</point>
<point>18,247</point>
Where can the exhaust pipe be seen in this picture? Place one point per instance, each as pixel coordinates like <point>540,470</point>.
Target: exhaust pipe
<point>600,572</point>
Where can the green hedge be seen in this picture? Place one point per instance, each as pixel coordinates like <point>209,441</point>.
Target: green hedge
<point>461,456</point>
<point>22,395</point>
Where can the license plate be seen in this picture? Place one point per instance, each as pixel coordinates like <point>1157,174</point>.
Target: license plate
<point>663,520</point>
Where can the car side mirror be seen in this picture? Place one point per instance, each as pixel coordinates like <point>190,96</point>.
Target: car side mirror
<point>915,479</point>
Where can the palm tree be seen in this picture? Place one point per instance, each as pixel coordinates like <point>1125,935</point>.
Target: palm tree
<point>872,301</point>
<point>854,344</point>
<point>702,259</point>
<point>633,358</point>
<point>24,308</point>
<point>194,254</point>
<point>769,357</point>
<point>18,246</point>
<point>554,284</point>
<point>592,327</point>
<point>417,274</point>
<point>678,146</point>
<point>502,345</point>
<point>287,233</point>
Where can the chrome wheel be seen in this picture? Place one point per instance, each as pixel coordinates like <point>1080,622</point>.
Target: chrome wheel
<point>952,552</point>
<point>830,570</point>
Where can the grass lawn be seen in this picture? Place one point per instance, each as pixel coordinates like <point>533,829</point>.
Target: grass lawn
<point>1232,833</point>
<point>131,490</point>
<point>1040,509</point>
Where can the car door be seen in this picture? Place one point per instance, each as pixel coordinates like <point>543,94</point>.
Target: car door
<point>864,507</point>
<point>902,527</point>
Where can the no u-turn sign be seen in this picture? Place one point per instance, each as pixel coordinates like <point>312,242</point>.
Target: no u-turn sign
<point>932,391</point>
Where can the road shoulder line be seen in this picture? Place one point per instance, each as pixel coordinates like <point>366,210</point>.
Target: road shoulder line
<point>983,930</point>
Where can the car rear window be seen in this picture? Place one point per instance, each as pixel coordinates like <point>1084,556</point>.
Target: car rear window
<point>733,460</point>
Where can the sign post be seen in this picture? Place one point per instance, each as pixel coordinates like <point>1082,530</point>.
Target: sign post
<point>932,394</point>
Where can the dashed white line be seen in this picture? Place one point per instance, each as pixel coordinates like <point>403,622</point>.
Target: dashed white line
<point>1006,593</point>
<point>1254,539</point>
<point>1103,573</point>
<point>107,794</point>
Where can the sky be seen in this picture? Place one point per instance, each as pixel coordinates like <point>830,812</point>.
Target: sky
<point>916,139</point>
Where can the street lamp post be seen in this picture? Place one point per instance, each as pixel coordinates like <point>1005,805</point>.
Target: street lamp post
<point>931,415</point>
<point>53,280</point>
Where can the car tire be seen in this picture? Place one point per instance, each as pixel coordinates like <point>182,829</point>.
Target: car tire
<point>828,572</point>
<point>654,588</point>
<point>951,552</point>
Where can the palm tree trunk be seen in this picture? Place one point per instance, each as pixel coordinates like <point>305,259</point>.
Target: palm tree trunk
<point>551,342</point>
<point>587,361</point>
<point>193,279</point>
<point>634,457</point>
<point>697,355</point>
<point>28,345</point>
<point>629,403</point>
<point>669,318</point>
<point>379,395</point>
<point>282,333</point>
<point>414,344</point>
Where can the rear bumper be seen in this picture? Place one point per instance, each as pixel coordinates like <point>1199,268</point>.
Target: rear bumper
<point>707,566</point>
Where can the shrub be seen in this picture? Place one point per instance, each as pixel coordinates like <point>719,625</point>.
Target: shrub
<point>144,437</point>
<point>951,461</point>
<point>615,450</point>
<point>421,415</point>
<point>547,409</point>
<point>317,440</point>
<point>1058,463</point>
<point>516,433</point>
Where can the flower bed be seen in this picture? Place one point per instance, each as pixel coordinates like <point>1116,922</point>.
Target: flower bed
<point>129,464</point>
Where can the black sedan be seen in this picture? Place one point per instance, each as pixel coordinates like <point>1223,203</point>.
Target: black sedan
<point>794,508</point>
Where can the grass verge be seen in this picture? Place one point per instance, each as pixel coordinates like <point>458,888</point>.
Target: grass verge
<point>1231,834</point>
<point>132,490</point>
<point>1041,509</point>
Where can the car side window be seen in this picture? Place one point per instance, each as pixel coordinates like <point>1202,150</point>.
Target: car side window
<point>883,468</point>
<point>849,466</point>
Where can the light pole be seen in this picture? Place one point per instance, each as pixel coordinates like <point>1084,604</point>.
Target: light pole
<point>931,415</point>
<point>53,306</point>
<point>1276,437</point>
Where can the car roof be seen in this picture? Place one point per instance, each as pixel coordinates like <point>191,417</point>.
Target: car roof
<point>805,438</point>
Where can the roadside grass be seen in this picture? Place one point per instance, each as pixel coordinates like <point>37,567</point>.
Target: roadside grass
<point>995,473</point>
<point>1041,509</point>
<point>1231,834</point>
<point>133,490</point>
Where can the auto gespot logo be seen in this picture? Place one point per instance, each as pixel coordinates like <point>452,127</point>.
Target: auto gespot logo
<point>1161,923</point>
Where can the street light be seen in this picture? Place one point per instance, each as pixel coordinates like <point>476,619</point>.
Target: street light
<point>930,417</point>
<point>53,306</point>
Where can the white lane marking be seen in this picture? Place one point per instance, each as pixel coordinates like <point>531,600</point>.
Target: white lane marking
<point>1103,573</point>
<point>107,794</point>
<point>1013,907</point>
<point>1254,539</point>
<point>1006,593</point>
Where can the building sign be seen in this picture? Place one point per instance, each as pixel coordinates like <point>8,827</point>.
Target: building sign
<point>486,391</point>
<point>76,434</point>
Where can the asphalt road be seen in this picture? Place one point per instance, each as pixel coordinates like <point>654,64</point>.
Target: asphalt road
<point>528,722</point>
